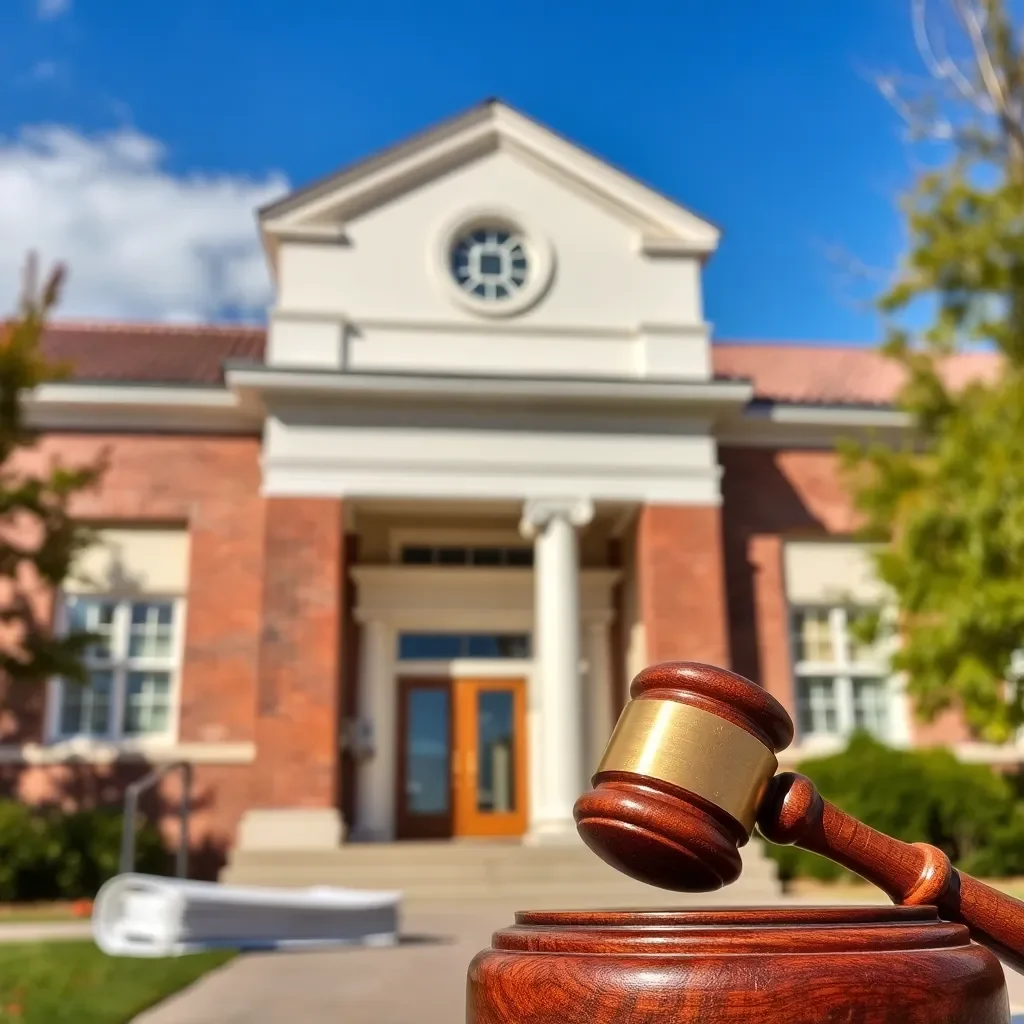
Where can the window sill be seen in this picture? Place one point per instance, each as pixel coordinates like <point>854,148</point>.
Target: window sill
<point>990,753</point>
<point>98,752</point>
<point>969,753</point>
<point>821,747</point>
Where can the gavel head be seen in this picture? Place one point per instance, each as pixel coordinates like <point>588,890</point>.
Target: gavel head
<point>677,791</point>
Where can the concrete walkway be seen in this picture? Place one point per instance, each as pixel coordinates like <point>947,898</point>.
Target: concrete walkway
<point>43,931</point>
<point>421,980</point>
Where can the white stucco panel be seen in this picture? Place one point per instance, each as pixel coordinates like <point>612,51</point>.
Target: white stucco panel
<point>388,281</point>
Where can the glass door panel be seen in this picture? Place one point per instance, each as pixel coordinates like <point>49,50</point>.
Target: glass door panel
<point>425,760</point>
<point>490,771</point>
<point>495,753</point>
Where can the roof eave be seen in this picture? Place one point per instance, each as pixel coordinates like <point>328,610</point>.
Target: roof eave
<point>264,380</point>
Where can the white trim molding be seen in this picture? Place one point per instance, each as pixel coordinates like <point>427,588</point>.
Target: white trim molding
<point>990,753</point>
<point>97,752</point>
<point>140,407</point>
<point>970,753</point>
<point>436,598</point>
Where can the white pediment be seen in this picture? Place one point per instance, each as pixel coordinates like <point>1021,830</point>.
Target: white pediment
<point>488,245</point>
<point>323,210</point>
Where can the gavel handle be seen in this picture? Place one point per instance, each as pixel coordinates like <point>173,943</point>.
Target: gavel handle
<point>793,813</point>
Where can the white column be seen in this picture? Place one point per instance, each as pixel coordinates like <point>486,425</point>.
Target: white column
<point>599,693</point>
<point>375,779</point>
<point>557,700</point>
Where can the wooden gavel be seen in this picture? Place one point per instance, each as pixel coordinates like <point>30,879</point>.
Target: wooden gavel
<point>691,768</point>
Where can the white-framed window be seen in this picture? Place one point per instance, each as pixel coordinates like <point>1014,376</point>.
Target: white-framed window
<point>842,684</point>
<point>133,669</point>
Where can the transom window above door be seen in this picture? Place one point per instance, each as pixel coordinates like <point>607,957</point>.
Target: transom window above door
<point>448,646</point>
<point>484,555</point>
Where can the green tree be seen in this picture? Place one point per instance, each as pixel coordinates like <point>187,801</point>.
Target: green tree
<point>947,505</point>
<point>39,538</point>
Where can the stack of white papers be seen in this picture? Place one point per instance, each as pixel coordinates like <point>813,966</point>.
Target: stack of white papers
<point>147,916</point>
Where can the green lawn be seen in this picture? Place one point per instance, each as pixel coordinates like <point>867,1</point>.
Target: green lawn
<point>74,983</point>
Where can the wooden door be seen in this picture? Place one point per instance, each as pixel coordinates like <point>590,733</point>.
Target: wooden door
<point>425,797</point>
<point>489,768</point>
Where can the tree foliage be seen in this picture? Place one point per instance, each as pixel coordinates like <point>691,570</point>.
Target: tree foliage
<point>947,505</point>
<point>39,538</point>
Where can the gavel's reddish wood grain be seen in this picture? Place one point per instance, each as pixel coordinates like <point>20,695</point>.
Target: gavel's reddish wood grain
<point>667,837</point>
<point>856,965</point>
<point>793,813</point>
<point>663,835</point>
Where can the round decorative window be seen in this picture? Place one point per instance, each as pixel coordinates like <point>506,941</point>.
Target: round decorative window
<point>490,263</point>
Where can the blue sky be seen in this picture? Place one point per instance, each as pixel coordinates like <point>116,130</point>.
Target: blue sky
<point>759,116</point>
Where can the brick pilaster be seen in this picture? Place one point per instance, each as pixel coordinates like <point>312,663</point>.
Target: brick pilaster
<point>297,704</point>
<point>681,582</point>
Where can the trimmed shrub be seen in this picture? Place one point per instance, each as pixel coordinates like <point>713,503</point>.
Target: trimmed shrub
<point>968,811</point>
<point>50,855</point>
<point>26,849</point>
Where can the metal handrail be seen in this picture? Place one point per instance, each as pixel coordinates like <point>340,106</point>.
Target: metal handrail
<point>131,808</point>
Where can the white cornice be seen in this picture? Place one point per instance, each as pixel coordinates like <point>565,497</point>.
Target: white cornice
<point>839,416</point>
<point>265,380</point>
<point>138,407</point>
<point>785,425</point>
<point>238,408</point>
<point>669,228</point>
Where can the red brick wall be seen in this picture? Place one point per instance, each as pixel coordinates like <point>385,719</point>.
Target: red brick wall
<point>681,583</point>
<point>769,495</point>
<point>300,654</point>
<point>212,485</point>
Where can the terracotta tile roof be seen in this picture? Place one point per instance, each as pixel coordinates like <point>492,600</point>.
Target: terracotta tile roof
<point>191,354</point>
<point>151,353</point>
<point>829,375</point>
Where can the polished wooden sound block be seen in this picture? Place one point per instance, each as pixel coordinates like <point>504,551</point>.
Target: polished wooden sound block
<point>799,965</point>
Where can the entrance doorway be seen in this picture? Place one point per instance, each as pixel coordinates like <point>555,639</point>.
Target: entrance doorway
<point>461,758</point>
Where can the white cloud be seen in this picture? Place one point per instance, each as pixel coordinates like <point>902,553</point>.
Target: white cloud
<point>50,9</point>
<point>138,241</point>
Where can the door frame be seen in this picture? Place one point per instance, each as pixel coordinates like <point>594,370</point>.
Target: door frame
<point>463,820</point>
<point>468,821</point>
<point>420,826</point>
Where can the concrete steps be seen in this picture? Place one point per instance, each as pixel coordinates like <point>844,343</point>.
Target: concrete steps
<point>466,872</point>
